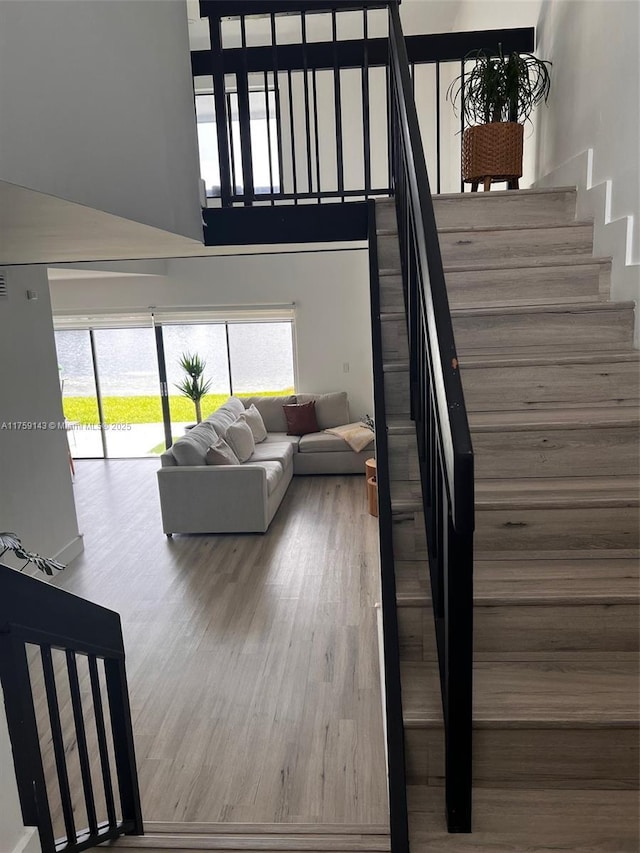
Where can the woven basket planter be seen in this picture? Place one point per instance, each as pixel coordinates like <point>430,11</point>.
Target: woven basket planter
<point>492,151</point>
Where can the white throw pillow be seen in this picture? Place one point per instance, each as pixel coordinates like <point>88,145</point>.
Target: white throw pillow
<point>221,454</point>
<point>253,417</point>
<point>240,439</point>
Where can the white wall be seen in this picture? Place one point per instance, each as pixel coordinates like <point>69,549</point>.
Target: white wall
<point>96,101</point>
<point>36,498</point>
<point>590,136</point>
<point>14,836</point>
<point>330,290</point>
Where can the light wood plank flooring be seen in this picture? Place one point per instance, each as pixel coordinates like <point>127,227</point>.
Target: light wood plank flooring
<point>252,659</point>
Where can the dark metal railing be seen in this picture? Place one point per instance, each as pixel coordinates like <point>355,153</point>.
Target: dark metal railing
<point>444,442</point>
<point>308,121</point>
<point>398,819</point>
<point>65,693</point>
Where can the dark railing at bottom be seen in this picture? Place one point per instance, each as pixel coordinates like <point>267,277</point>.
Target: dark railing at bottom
<point>65,693</point>
<point>398,824</point>
<point>444,442</point>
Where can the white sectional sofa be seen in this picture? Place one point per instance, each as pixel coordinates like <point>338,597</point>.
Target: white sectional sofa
<point>199,498</point>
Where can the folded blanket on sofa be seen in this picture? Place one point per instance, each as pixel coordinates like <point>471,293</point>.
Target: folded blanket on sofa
<point>356,435</point>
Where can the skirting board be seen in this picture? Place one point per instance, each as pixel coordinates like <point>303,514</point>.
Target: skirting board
<point>71,550</point>
<point>612,237</point>
<point>29,841</point>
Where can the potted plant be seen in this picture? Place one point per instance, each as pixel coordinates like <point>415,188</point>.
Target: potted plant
<point>497,96</point>
<point>10,542</point>
<point>193,385</point>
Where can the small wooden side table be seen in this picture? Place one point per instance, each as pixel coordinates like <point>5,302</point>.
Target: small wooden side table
<point>372,486</point>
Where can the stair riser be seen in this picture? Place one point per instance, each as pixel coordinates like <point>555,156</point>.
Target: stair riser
<point>396,392</point>
<point>469,246</point>
<point>503,210</point>
<point>510,631</point>
<point>556,453</point>
<point>609,329</point>
<point>391,294</point>
<point>539,530</point>
<point>403,457</point>
<point>489,389</point>
<point>395,343</point>
<point>529,285</point>
<point>409,539</point>
<point>469,211</point>
<point>531,758</point>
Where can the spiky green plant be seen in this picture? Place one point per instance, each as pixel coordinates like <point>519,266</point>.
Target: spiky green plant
<point>500,88</point>
<point>193,385</point>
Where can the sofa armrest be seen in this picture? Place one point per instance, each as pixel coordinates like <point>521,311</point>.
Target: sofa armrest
<point>213,499</point>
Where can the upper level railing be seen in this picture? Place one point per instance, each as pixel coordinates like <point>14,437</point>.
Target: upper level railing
<point>65,693</point>
<point>294,108</point>
<point>444,441</point>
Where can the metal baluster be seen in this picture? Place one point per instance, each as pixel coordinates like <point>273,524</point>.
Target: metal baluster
<point>366,128</point>
<point>81,739</point>
<point>103,750</point>
<point>268,111</point>
<point>307,110</point>
<point>276,90</point>
<point>337,100</point>
<point>244,114</point>
<point>293,140</point>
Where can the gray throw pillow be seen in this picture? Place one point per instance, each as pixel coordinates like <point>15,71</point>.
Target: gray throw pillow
<point>221,454</point>
<point>253,417</point>
<point>332,409</point>
<point>240,439</point>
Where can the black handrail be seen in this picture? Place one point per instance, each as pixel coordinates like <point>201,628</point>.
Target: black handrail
<point>398,822</point>
<point>49,631</point>
<point>444,441</point>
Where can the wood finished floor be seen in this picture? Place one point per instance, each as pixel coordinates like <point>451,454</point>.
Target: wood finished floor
<point>252,659</point>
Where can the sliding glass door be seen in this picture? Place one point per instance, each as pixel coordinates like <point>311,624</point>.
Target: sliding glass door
<point>120,385</point>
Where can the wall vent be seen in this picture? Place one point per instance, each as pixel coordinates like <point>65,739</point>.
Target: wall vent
<point>4,293</point>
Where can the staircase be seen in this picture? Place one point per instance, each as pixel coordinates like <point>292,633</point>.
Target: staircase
<point>551,384</point>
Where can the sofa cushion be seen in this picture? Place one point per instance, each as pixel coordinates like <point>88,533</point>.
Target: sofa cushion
<point>240,439</point>
<point>192,448</point>
<point>223,417</point>
<point>301,418</point>
<point>331,409</point>
<point>274,471</point>
<point>253,417</point>
<point>280,451</point>
<point>221,454</point>
<point>282,437</point>
<point>321,442</point>
<point>271,410</point>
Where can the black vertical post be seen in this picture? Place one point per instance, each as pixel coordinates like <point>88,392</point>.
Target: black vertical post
<point>96,376</point>
<point>226,336</point>
<point>307,109</point>
<point>102,741</point>
<point>244,114</point>
<point>366,129</point>
<point>268,115</point>
<point>81,741</point>
<point>458,602</point>
<point>316,130</point>
<point>122,731</point>
<point>215,32</point>
<point>337,95</point>
<point>164,388</point>
<point>58,742</point>
<point>232,154</point>
<point>438,168</point>
<point>461,115</point>
<point>276,92</point>
<point>294,167</point>
<point>23,730</point>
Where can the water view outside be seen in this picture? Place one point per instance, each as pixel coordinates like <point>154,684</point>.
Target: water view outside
<point>261,361</point>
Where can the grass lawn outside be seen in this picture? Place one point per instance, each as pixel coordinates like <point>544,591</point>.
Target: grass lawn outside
<point>148,410</point>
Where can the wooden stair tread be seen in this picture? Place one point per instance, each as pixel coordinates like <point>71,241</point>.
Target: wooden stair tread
<point>468,196</point>
<point>569,581</point>
<point>528,262</point>
<point>553,308</point>
<point>227,828</point>
<point>557,492</point>
<point>535,821</point>
<point>531,694</point>
<point>559,418</point>
<point>514,359</point>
